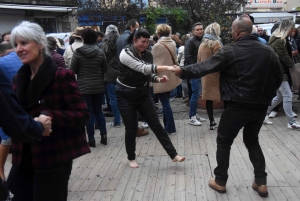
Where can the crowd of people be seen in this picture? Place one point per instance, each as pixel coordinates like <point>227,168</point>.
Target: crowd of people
<point>55,96</point>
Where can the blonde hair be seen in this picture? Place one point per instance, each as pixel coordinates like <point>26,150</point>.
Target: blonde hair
<point>163,30</point>
<point>284,29</point>
<point>212,29</point>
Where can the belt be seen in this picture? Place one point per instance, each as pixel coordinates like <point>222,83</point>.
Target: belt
<point>130,86</point>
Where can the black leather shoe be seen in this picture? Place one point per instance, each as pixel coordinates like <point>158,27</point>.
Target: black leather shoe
<point>92,143</point>
<point>103,139</point>
<point>108,114</point>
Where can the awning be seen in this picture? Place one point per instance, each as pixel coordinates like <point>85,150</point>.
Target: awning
<point>37,7</point>
<point>270,17</point>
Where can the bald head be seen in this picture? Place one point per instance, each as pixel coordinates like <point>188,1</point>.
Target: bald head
<point>242,26</point>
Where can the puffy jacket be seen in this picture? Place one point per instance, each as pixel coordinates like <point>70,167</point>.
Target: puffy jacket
<point>89,63</point>
<point>279,47</point>
<point>191,50</point>
<point>250,71</point>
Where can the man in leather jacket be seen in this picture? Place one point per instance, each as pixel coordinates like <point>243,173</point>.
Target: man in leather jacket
<point>250,73</point>
<point>190,57</point>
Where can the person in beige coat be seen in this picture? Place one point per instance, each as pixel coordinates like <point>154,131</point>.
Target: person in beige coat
<point>164,53</point>
<point>210,83</point>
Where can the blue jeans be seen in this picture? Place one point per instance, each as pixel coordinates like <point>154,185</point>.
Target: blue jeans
<point>196,91</point>
<point>5,139</point>
<point>284,94</point>
<point>111,91</point>
<point>179,90</point>
<point>94,103</point>
<point>168,113</point>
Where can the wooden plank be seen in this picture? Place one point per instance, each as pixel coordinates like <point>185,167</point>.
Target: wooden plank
<point>207,175</point>
<point>277,193</point>
<point>76,196</point>
<point>190,191</point>
<point>170,181</point>
<point>133,183</point>
<point>188,129</point>
<point>159,191</point>
<point>152,179</point>
<point>200,185</point>
<point>297,191</point>
<point>107,196</point>
<point>289,194</point>
<point>97,196</point>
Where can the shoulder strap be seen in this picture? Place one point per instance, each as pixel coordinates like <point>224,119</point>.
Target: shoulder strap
<point>174,62</point>
<point>72,49</point>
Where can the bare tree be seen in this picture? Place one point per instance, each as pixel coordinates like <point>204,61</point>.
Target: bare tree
<point>117,11</point>
<point>209,11</point>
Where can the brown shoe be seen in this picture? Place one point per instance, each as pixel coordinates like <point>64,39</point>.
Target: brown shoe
<point>213,184</point>
<point>141,132</point>
<point>262,189</point>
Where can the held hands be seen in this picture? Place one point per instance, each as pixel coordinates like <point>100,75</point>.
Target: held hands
<point>163,79</point>
<point>176,70</point>
<point>46,121</point>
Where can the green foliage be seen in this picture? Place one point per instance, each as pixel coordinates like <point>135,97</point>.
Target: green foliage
<point>176,16</point>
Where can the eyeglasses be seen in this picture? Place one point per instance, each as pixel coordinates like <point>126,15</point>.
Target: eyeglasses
<point>259,30</point>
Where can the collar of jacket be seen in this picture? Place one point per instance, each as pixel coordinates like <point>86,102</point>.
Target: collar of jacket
<point>249,37</point>
<point>29,91</point>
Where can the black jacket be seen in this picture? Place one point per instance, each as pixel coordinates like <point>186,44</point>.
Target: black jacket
<point>250,72</point>
<point>191,50</point>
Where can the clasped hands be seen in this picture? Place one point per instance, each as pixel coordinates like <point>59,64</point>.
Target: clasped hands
<point>175,69</point>
<point>46,122</point>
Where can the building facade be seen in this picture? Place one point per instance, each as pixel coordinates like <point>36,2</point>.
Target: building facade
<point>54,16</point>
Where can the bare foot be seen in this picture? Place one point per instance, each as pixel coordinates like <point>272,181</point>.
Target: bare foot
<point>133,164</point>
<point>178,158</point>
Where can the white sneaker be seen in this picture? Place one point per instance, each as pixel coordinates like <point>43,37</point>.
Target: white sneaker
<point>266,121</point>
<point>145,125</point>
<point>273,114</point>
<point>194,121</point>
<point>294,125</point>
<point>200,118</point>
<point>171,99</point>
<point>294,114</point>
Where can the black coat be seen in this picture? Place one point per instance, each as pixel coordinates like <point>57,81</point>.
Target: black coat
<point>245,75</point>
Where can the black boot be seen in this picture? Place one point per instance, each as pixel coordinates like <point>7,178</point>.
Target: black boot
<point>103,139</point>
<point>92,143</point>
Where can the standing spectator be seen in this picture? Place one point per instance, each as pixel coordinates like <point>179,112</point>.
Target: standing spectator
<point>278,42</point>
<point>190,57</point>
<point>6,36</point>
<point>180,59</point>
<point>71,48</point>
<point>57,58</point>
<point>254,33</point>
<point>261,34</point>
<point>99,38</point>
<point>247,93</point>
<point>89,63</point>
<point>132,90</point>
<point>211,43</point>
<point>110,77</point>
<point>298,38</point>
<point>164,53</point>
<point>41,170</point>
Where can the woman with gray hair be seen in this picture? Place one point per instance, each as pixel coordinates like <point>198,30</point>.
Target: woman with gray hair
<point>278,42</point>
<point>211,43</point>
<point>41,170</point>
<point>110,77</point>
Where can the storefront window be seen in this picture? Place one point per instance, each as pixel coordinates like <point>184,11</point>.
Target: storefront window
<point>48,24</point>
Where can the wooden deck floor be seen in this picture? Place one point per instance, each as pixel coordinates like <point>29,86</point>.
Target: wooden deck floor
<point>105,175</point>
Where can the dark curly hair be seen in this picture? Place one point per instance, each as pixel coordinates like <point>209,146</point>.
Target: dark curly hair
<point>89,36</point>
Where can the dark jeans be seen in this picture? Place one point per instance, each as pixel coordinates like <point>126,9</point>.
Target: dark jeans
<point>31,185</point>
<point>232,120</point>
<point>129,103</point>
<point>93,102</point>
<point>168,113</point>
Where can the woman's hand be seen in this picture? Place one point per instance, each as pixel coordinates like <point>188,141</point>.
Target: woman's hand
<point>163,79</point>
<point>46,122</point>
<point>294,53</point>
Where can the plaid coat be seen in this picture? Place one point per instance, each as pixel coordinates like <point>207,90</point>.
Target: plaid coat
<point>53,92</point>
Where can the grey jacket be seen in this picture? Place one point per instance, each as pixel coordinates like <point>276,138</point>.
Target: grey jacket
<point>89,63</point>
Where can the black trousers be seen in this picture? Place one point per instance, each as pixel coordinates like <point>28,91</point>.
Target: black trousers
<point>46,185</point>
<point>232,120</point>
<point>129,102</point>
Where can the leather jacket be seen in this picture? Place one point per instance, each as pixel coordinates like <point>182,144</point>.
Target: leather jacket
<point>191,50</point>
<point>250,72</point>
